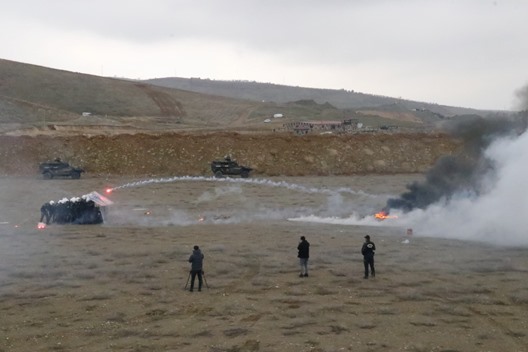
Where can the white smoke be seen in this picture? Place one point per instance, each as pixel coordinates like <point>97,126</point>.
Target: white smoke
<point>119,216</point>
<point>522,97</point>
<point>238,206</point>
<point>499,215</point>
<point>256,181</point>
<point>219,192</point>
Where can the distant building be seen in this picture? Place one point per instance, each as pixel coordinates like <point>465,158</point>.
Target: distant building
<point>86,113</point>
<point>350,122</point>
<point>305,127</point>
<point>301,130</point>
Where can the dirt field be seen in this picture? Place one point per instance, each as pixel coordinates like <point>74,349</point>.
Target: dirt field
<point>120,286</point>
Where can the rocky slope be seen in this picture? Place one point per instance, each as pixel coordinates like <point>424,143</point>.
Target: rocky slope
<point>270,154</point>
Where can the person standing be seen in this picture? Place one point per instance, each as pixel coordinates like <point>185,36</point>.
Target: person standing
<point>196,260</point>
<point>368,257</point>
<point>303,254</point>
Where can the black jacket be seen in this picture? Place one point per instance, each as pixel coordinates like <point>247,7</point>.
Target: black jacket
<point>368,249</point>
<point>304,249</point>
<point>196,260</point>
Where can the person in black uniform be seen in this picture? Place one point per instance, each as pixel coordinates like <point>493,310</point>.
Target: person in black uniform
<point>368,256</point>
<point>196,260</point>
<point>46,212</point>
<point>303,254</point>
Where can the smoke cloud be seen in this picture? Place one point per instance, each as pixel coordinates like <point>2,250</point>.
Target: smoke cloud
<point>522,97</point>
<point>497,215</point>
<point>479,194</point>
<point>467,174</point>
<point>230,201</point>
<point>492,210</point>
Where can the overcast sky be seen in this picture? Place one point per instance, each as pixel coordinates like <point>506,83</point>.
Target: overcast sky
<point>469,53</point>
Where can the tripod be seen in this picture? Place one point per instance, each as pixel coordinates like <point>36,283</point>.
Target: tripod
<point>205,280</point>
<point>189,277</point>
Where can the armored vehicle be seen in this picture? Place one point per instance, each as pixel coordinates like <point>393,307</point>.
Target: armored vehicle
<point>228,167</point>
<point>59,168</point>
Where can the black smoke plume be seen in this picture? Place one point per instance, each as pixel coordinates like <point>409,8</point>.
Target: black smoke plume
<point>462,173</point>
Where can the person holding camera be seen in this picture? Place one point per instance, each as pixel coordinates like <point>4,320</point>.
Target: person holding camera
<point>196,260</point>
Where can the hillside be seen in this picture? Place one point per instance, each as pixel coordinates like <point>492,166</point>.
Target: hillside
<point>340,98</point>
<point>40,96</point>
<point>35,99</point>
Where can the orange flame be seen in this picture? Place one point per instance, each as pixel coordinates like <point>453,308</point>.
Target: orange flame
<point>382,215</point>
<point>41,226</point>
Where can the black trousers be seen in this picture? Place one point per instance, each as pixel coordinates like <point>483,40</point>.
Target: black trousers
<point>45,215</point>
<point>194,273</point>
<point>369,262</point>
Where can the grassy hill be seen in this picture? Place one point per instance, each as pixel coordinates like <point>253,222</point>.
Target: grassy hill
<point>34,94</point>
<point>54,100</point>
<point>340,98</point>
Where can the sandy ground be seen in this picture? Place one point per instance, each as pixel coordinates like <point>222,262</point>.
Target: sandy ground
<point>120,286</point>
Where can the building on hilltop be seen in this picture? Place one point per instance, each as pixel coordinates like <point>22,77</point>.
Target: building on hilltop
<point>306,127</point>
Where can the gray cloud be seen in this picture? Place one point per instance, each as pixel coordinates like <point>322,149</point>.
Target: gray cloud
<point>468,53</point>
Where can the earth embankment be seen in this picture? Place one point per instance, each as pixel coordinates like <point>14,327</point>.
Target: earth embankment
<point>268,154</point>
